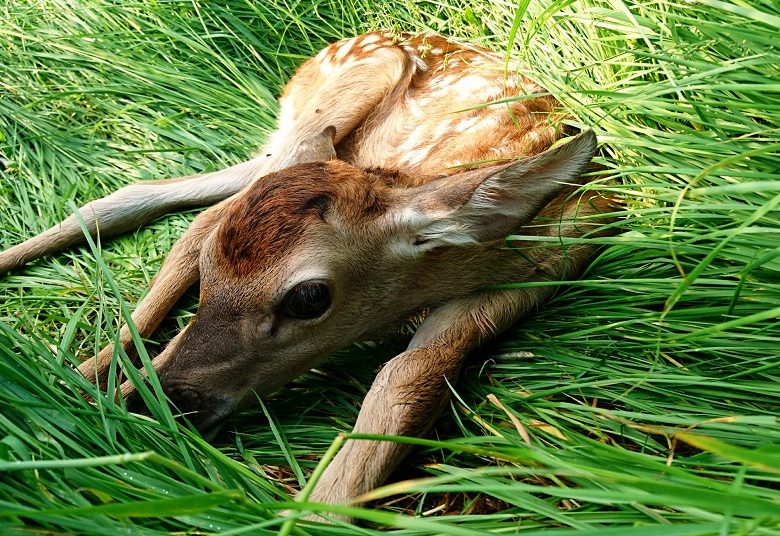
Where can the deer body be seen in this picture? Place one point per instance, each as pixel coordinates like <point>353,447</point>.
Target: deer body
<point>387,188</point>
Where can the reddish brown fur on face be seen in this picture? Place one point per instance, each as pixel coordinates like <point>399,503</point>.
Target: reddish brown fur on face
<point>275,213</point>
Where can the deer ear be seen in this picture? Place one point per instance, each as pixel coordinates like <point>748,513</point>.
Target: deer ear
<point>489,203</point>
<point>318,147</point>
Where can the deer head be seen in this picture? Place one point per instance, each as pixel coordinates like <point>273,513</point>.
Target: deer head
<point>314,257</point>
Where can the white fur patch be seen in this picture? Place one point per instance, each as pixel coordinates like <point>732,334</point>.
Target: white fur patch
<point>407,221</point>
<point>415,157</point>
<point>465,124</point>
<point>412,141</point>
<point>472,85</point>
<point>284,129</point>
<point>372,38</point>
<point>490,94</point>
<point>344,50</point>
<point>443,128</point>
<point>327,67</point>
<point>487,122</point>
<point>446,231</point>
<point>409,217</point>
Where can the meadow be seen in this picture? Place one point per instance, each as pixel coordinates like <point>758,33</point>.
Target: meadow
<point>648,388</point>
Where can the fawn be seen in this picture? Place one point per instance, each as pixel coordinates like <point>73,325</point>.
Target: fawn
<point>398,167</point>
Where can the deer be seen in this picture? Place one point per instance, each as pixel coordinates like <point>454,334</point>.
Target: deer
<point>399,166</point>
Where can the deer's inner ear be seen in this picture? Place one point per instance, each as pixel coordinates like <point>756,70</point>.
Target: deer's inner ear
<point>489,203</point>
<point>318,147</point>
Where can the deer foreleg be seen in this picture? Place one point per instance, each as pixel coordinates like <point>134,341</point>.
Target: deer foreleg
<point>411,389</point>
<point>323,96</point>
<point>180,269</point>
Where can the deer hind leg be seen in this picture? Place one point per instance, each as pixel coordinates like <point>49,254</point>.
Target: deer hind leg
<point>178,273</point>
<point>339,88</point>
<point>130,207</point>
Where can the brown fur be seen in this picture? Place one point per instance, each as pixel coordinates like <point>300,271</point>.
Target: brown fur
<point>283,205</point>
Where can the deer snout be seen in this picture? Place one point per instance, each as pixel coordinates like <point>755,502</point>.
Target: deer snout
<point>189,395</point>
<point>206,411</point>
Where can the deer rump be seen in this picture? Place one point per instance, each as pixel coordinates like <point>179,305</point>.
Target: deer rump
<point>398,167</point>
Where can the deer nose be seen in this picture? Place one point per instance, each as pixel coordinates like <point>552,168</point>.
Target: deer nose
<point>204,410</point>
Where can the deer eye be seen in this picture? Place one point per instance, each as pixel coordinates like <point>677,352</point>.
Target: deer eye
<point>306,300</point>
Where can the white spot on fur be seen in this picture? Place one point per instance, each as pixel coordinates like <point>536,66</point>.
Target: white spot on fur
<point>490,94</point>
<point>326,67</point>
<point>465,124</point>
<point>471,85</point>
<point>415,110</point>
<point>413,144</point>
<point>446,81</point>
<point>344,50</point>
<point>442,129</point>
<point>416,156</point>
<point>487,122</point>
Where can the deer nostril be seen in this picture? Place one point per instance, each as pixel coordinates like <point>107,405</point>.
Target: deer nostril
<point>185,399</point>
<point>205,411</point>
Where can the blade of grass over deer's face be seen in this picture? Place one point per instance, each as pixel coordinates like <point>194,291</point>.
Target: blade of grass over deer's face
<point>648,390</point>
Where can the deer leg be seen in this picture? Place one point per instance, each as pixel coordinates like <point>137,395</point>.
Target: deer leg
<point>338,97</point>
<point>130,207</point>
<point>411,389</point>
<point>180,269</point>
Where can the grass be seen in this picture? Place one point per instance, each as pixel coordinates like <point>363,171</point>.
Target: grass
<point>649,388</point>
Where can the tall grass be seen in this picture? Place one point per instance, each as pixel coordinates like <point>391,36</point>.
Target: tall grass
<point>649,388</point>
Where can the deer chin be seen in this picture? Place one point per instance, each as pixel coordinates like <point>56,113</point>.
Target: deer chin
<point>209,425</point>
<point>208,420</point>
